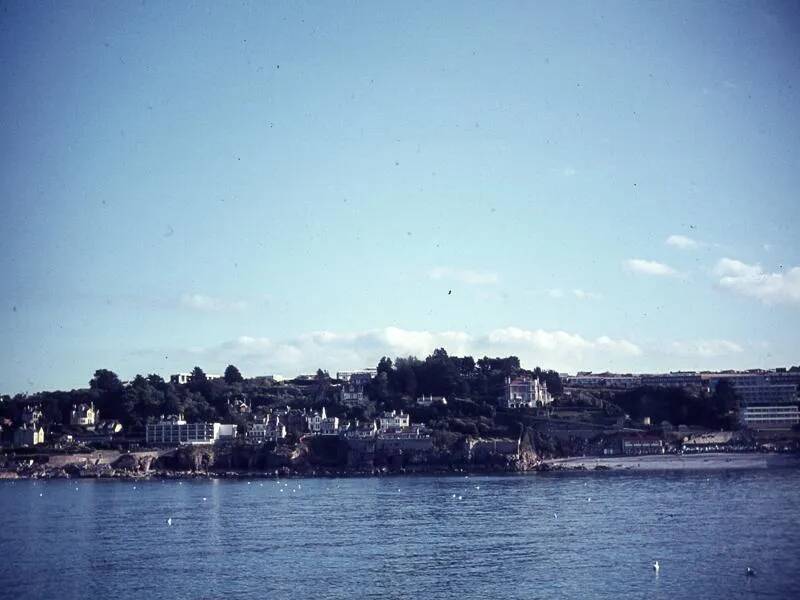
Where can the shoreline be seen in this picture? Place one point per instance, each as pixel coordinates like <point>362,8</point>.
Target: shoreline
<point>712,461</point>
<point>625,464</point>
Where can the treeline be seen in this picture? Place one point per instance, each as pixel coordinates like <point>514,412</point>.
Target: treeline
<point>452,377</point>
<point>471,387</point>
<point>678,406</point>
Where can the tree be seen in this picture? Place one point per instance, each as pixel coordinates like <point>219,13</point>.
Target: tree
<point>106,381</point>
<point>199,382</point>
<point>232,375</point>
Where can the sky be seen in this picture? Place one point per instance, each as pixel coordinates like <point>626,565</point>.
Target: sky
<point>292,186</point>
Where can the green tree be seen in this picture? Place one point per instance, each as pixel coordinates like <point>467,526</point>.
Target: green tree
<point>106,381</point>
<point>232,375</point>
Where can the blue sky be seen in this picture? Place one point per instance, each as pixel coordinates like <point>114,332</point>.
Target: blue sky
<point>286,186</point>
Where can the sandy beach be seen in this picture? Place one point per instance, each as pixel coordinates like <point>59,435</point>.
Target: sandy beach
<point>684,462</point>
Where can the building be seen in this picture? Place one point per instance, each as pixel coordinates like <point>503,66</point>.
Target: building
<point>362,377</point>
<point>184,378</point>
<point>767,400</point>
<point>431,400</point>
<point>525,392</point>
<point>393,421</point>
<point>84,415</point>
<point>676,379</point>
<point>320,424</point>
<point>174,431</point>
<point>268,429</point>
<point>28,435</point>
<point>353,394</point>
<point>769,417</point>
<point>31,414</point>
<point>602,380</point>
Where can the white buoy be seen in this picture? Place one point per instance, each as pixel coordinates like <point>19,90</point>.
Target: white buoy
<point>555,515</point>
<point>204,498</point>
<point>169,521</point>
<point>460,498</point>
<point>749,572</point>
<point>656,567</point>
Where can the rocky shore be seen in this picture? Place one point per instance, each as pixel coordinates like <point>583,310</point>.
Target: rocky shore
<point>188,465</point>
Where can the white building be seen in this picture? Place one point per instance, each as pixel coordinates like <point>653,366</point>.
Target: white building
<point>84,415</point>
<point>768,400</point>
<point>431,400</point>
<point>28,435</point>
<point>177,432</point>
<point>394,420</point>
<point>320,424</point>
<point>526,392</point>
<point>353,394</point>
<point>268,429</point>
<point>770,417</point>
<point>184,378</point>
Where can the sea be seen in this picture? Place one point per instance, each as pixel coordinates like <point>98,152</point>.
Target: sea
<point>543,535</point>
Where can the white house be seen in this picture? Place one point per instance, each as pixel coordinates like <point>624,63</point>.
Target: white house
<point>526,392</point>
<point>84,415</point>
<point>320,424</point>
<point>28,435</point>
<point>394,420</point>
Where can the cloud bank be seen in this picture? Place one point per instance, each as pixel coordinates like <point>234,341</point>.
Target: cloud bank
<point>752,281</point>
<point>559,350</point>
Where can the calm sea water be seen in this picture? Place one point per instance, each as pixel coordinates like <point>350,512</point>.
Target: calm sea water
<point>405,537</point>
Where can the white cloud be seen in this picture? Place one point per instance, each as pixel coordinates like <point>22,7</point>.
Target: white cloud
<point>584,295</point>
<point>558,293</point>
<point>753,281</point>
<point>204,303</point>
<point>704,348</point>
<point>467,276</point>
<point>649,267</point>
<point>338,351</point>
<point>683,242</point>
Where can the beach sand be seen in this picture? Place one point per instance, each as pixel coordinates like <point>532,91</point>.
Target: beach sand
<point>680,462</point>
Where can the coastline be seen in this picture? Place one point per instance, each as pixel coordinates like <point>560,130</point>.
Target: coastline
<point>652,463</point>
<point>718,461</point>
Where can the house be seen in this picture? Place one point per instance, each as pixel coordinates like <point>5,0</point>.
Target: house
<point>239,405</point>
<point>267,429</point>
<point>525,392</point>
<point>356,430</point>
<point>391,421</point>
<point>31,414</point>
<point>320,424</point>
<point>431,400</point>
<point>84,415</point>
<point>28,435</point>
